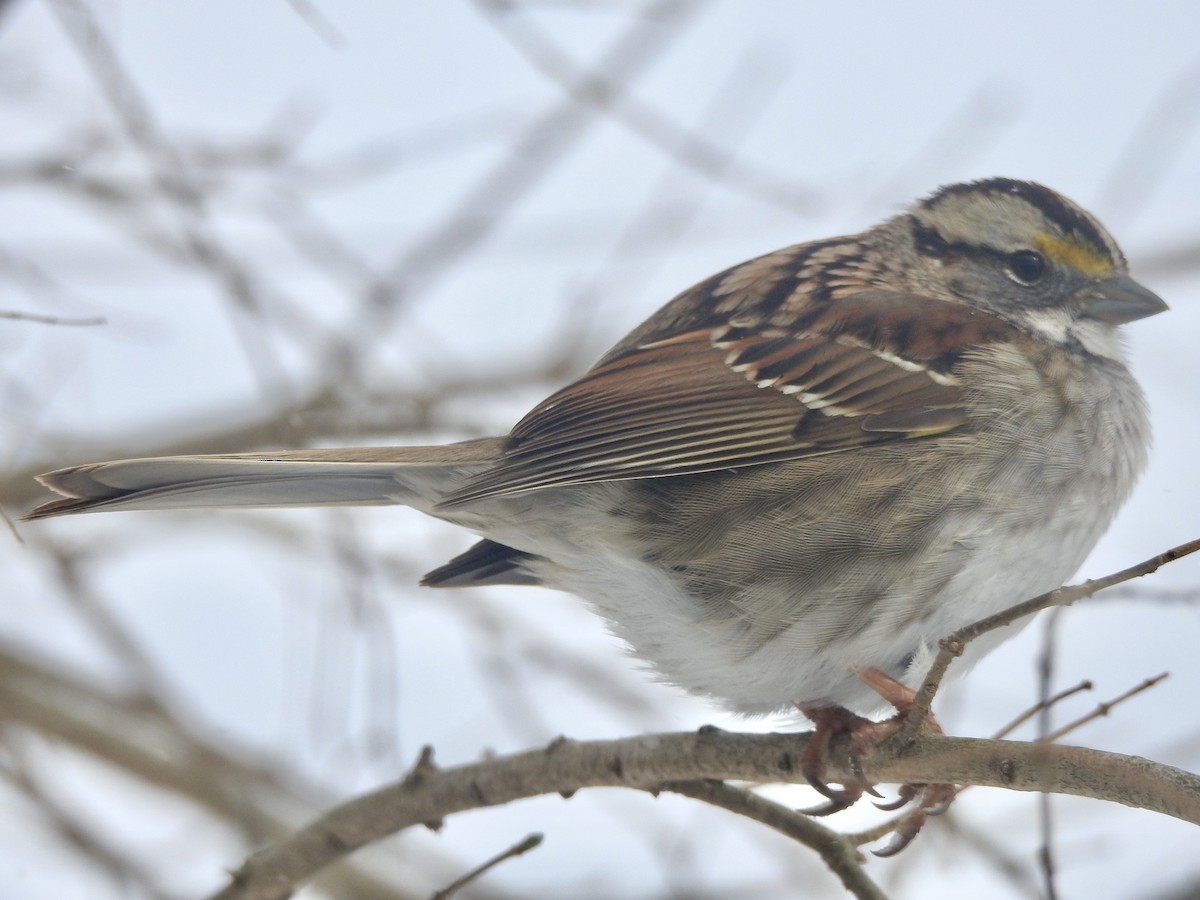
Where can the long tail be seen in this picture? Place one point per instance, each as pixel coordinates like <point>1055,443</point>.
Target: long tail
<point>414,476</point>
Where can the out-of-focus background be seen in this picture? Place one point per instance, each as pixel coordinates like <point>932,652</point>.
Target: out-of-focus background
<point>314,223</point>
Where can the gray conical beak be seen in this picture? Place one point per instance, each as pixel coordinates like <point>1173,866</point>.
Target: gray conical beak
<point>1119,300</point>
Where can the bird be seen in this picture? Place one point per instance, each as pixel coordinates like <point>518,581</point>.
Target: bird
<point>809,466</point>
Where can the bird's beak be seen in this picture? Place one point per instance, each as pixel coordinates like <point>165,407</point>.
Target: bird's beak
<point>1119,300</point>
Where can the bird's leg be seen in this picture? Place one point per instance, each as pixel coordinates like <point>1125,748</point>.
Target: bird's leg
<point>935,799</point>
<point>831,721</point>
<point>864,735</point>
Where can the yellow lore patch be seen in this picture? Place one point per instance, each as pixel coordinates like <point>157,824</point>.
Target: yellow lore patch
<point>1076,254</point>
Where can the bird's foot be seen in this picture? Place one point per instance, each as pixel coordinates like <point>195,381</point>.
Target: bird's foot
<point>865,735</point>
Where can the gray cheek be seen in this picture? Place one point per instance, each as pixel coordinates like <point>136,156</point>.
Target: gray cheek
<point>967,285</point>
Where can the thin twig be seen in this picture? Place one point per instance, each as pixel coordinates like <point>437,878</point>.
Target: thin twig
<point>1046,660</point>
<point>1037,708</point>
<point>122,867</point>
<point>839,855</point>
<point>532,156</point>
<point>51,320</point>
<point>261,801</point>
<point>888,826</point>
<point>518,849</point>
<point>691,150</point>
<point>320,24</point>
<point>953,645</point>
<point>1105,708</point>
<point>183,195</point>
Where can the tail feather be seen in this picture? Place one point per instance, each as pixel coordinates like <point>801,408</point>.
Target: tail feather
<point>416,476</point>
<point>488,562</point>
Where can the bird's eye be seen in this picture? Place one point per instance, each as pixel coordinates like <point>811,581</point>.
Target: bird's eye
<point>1026,266</point>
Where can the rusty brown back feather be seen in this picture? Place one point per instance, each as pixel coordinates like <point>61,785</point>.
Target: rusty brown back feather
<point>747,394</point>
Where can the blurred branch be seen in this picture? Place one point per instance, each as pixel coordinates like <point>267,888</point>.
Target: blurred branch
<point>1172,262</point>
<point>530,158</point>
<point>379,156</point>
<point>661,223</point>
<point>145,741</point>
<point>1153,145</point>
<point>122,868</point>
<point>690,149</point>
<point>1046,661</point>
<point>183,197</point>
<point>319,23</point>
<point>142,740</point>
<point>50,320</point>
<point>6,7</point>
<point>1147,594</point>
<point>967,133</point>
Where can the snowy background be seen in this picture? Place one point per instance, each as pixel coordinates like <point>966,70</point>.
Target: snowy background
<point>369,223</point>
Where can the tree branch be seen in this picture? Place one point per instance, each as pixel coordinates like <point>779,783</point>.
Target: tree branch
<point>953,645</point>
<point>660,762</point>
<point>839,853</point>
<point>653,762</point>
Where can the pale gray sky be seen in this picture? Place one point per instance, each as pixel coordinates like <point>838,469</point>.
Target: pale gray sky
<point>820,118</point>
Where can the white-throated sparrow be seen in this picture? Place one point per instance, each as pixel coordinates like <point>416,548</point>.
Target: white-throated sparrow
<point>817,462</point>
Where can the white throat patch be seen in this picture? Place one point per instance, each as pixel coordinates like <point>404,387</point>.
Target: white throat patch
<point>1061,327</point>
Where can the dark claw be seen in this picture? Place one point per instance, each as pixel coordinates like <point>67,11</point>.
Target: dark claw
<point>908,829</point>
<point>935,800</point>
<point>940,808</point>
<point>864,735</point>
<point>822,788</point>
<point>856,767</point>
<point>847,795</point>
<point>940,803</point>
<point>835,805</point>
<point>903,798</point>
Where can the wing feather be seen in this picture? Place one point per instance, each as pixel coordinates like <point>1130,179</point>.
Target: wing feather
<point>732,396</point>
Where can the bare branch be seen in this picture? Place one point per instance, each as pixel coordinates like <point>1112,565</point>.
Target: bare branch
<point>1105,708</point>
<point>429,794</point>
<point>121,867</point>
<point>652,763</point>
<point>530,158</point>
<point>319,23</point>
<point>175,184</point>
<point>1047,658</point>
<point>51,320</point>
<point>260,801</point>
<point>839,853</point>
<point>953,645</point>
<point>690,149</point>
<point>1039,706</point>
<point>1154,144</point>
<point>518,849</point>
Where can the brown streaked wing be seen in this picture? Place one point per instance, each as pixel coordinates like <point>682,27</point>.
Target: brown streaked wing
<point>734,397</point>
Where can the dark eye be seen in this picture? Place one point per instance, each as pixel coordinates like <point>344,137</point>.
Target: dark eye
<point>1026,266</point>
